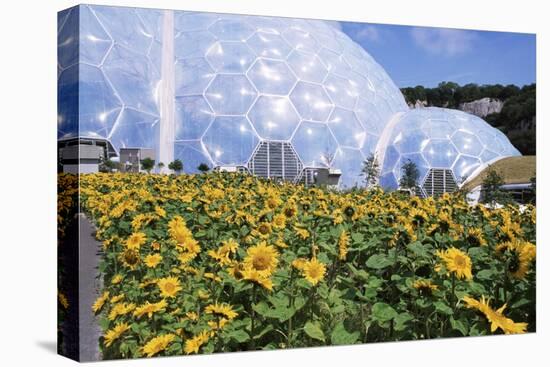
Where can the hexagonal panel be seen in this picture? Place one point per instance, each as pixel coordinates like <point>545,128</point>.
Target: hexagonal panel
<point>231,30</point>
<point>342,91</point>
<point>369,146</point>
<point>266,24</point>
<point>346,128</point>
<point>270,45</point>
<point>467,143</point>
<point>193,21</point>
<point>192,76</point>
<point>335,63</point>
<point>67,38</point>
<point>410,142</point>
<point>191,154</point>
<point>487,155</point>
<point>391,156</point>
<point>125,27</point>
<point>464,166</point>
<point>438,129</point>
<point>301,40</point>
<point>271,77</point>
<point>230,57</point>
<point>193,44</point>
<point>349,162</point>
<point>311,101</point>
<point>230,94</point>
<point>134,79</point>
<point>94,41</point>
<point>388,181</point>
<point>102,106</point>
<point>274,117</point>
<point>193,115</point>
<point>314,144</point>
<point>135,129</point>
<point>307,67</point>
<point>230,140</point>
<point>367,113</point>
<point>439,153</point>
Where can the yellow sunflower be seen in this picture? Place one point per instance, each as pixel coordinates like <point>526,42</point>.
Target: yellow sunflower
<point>157,344</point>
<point>343,243</point>
<point>117,279</point>
<point>100,301</point>
<point>456,262</point>
<point>424,287</point>
<point>120,309</point>
<point>522,254</point>
<point>152,261</point>
<point>193,345</point>
<point>264,229</point>
<point>263,258</point>
<point>150,308</point>
<point>279,221</point>
<point>169,286</point>
<point>221,310</point>
<point>130,258</point>
<point>222,254</point>
<point>135,241</point>
<point>302,233</point>
<point>314,271</point>
<point>496,317</point>
<point>255,276</point>
<point>474,237</point>
<point>115,333</point>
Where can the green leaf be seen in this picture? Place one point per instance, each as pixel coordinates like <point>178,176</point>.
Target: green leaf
<point>357,238</point>
<point>383,312</point>
<point>239,335</point>
<point>443,308</point>
<point>340,336</point>
<point>401,321</point>
<point>418,249</point>
<point>313,330</point>
<point>379,261</point>
<point>459,325</point>
<point>486,274</point>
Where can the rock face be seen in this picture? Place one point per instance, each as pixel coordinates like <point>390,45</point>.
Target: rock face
<point>418,104</point>
<point>482,107</point>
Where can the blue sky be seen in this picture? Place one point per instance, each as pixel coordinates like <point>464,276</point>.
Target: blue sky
<point>426,56</point>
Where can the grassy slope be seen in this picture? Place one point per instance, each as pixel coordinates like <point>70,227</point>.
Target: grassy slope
<point>512,169</point>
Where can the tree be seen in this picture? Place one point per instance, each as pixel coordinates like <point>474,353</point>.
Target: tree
<point>371,170</point>
<point>409,175</point>
<point>160,166</point>
<point>107,165</point>
<point>491,189</point>
<point>147,164</point>
<point>203,167</point>
<point>176,166</point>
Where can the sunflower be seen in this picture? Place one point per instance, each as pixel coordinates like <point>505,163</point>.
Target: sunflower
<point>264,229</point>
<point>279,221</point>
<point>62,298</point>
<point>118,298</point>
<point>314,271</point>
<point>255,276</point>
<point>424,287</point>
<point>456,262</point>
<point>290,211</point>
<point>120,309</point>
<point>221,310</point>
<point>192,316</point>
<point>222,254</point>
<point>263,258</point>
<point>474,237</point>
<point>178,230</point>
<point>150,308</point>
<point>302,233</point>
<point>157,344</point>
<point>337,216</point>
<point>418,217</point>
<point>117,279</point>
<point>130,258</point>
<point>193,345</point>
<point>152,261</point>
<point>115,333</point>
<point>520,256</point>
<point>496,317</point>
<point>169,286</point>
<point>135,241</point>
<point>100,301</point>
<point>343,243</point>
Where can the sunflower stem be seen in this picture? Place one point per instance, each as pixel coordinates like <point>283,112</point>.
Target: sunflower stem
<point>252,319</point>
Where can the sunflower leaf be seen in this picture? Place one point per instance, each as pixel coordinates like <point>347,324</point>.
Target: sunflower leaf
<point>379,261</point>
<point>313,330</point>
<point>383,312</point>
<point>340,336</point>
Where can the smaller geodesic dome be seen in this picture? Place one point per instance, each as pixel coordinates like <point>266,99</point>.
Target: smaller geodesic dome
<point>444,143</point>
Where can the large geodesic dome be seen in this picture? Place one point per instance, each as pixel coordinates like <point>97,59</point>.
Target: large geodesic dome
<point>276,97</point>
<point>440,139</point>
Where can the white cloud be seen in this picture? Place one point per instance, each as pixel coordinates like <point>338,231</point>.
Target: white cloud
<point>442,41</point>
<point>365,33</point>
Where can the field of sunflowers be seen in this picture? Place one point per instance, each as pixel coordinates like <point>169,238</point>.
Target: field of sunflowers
<point>224,262</point>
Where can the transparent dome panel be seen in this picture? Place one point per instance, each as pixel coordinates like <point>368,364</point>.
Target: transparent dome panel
<point>193,44</point>
<point>192,76</point>
<point>193,116</point>
<point>192,154</point>
<point>271,77</point>
<point>193,21</point>
<point>230,94</point>
<point>307,66</point>
<point>230,57</point>
<point>314,144</point>
<point>464,166</point>
<point>270,45</point>
<point>311,101</point>
<point>440,153</point>
<point>67,101</point>
<point>346,128</point>
<point>94,41</point>
<point>467,143</point>
<point>301,40</point>
<point>135,129</point>
<point>343,92</point>
<point>231,29</point>
<point>230,140</point>
<point>274,117</point>
<point>346,160</point>
<point>67,38</point>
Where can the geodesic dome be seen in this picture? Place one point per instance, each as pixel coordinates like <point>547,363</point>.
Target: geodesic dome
<point>439,138</point>
<point>239,81</point>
